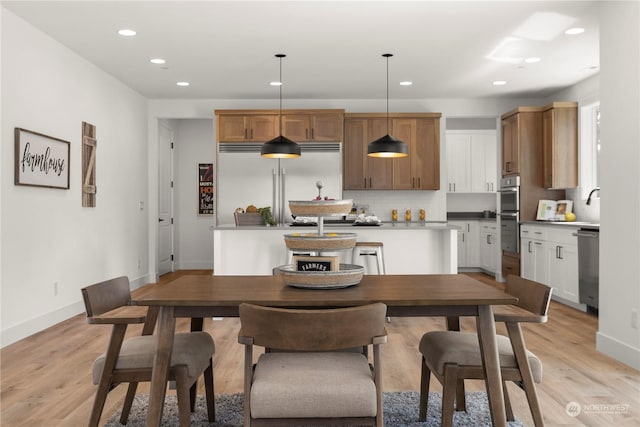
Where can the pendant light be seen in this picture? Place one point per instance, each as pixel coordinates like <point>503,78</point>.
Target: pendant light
<point>388,146</point>
<point>280,147</point>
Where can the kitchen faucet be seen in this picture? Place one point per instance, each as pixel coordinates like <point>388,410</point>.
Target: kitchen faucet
<point>591,194</point>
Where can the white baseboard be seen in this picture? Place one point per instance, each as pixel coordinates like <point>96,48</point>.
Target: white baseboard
<point>30,327</point>
<point>194,265</point>
<point>620,351</point>
<point>40,323</point>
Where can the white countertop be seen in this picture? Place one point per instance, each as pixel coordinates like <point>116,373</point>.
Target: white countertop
<point>574,224</point>
<point>400,225</point>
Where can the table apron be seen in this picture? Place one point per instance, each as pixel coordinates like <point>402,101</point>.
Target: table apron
<point>397,311</point>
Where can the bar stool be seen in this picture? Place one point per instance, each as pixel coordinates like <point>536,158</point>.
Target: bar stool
<point>371,249</point>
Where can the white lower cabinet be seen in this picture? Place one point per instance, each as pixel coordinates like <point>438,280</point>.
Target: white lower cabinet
<point>468,243</point>
<point>489,247</point>
<point>549,255</point>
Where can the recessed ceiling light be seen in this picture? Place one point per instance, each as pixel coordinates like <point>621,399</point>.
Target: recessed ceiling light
<point>127,32</point>
<point>157,61</point>
<point>406,83</point>
<point>276,83</point>
<point>499,83</point>
<point>532,60</point>
<point>574,31</point>
<point>183,83</point>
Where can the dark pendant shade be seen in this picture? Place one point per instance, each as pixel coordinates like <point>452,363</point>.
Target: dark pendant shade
<point>280,147</point>
<point>388,146</point>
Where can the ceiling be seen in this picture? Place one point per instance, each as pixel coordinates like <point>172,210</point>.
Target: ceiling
<point>225,49</point>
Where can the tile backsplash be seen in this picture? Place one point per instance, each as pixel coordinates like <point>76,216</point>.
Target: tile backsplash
<point>381,203</point>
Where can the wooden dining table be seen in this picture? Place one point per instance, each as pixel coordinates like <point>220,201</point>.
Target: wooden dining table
<point>447,295</point>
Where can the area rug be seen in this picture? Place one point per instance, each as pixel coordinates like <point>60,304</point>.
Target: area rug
<point>400,410</point>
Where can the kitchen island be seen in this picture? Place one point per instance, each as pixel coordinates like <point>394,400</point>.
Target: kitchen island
<point>409,248</point>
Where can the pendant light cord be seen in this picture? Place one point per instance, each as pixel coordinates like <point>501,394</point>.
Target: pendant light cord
<point>387,55</point>
<point>280,91</point>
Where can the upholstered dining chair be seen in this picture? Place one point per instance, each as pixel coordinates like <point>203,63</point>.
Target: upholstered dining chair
<point>130,360</point>
<point>310,380</point>
<point>454,356</point>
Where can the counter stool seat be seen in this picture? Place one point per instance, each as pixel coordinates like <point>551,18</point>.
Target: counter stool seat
<point>375,249</point>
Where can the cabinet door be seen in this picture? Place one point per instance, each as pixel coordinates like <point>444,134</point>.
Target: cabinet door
<point>560,147</point>
<point>326,127</point>
<point>483,162</point>
<point>473,243</point>
<point>488,254</point>
<point>510,145</point>
<point>296,127</point>
<point>403,173</point>
<point>426,162</point>
<point>527,261</point>
<point>563,270</point>
<point>356,173</point>
<point>232,128</point>
<point>379,170</point>
<point>462,242</point>
<point>458,162</point>
<point>263,128</point>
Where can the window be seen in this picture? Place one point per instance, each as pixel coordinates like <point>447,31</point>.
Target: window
<point>590,145</point>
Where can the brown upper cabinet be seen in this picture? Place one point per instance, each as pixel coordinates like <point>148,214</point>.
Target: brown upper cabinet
<point>560,145</point>
<point>419,171</point>
<point>521,128</point>
<point>246,126</point>
<point>313,125</point>
<point>263,125</point>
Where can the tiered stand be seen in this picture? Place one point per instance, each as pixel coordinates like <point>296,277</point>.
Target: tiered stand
<point>348,274</point>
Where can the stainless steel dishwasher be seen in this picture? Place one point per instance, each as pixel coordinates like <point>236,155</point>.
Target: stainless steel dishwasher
<point>589,265</point>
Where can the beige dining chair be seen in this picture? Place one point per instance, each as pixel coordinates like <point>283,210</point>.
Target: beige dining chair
<point>130,360</point>
<point>454,356</point>
<point>310,380</point>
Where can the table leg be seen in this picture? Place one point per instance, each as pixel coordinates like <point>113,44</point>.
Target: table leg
<point>489,350</point>
<point>160,375</point>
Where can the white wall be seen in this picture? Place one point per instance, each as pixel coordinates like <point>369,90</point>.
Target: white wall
<point>47,236</point>
<point>620,181</point>
<point>194,143</point>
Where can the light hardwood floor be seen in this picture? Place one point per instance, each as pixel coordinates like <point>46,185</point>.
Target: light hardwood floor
<point>46,378</point>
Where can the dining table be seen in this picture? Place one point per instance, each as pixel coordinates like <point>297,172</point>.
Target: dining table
<point>446,295</point>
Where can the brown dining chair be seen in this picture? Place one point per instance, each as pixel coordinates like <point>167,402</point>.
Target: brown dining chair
<point>454,356</point>
<point>130,360</point>
<point>310,379</point>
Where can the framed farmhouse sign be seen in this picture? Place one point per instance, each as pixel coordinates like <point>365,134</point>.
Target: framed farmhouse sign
<point>205,188</point>
<point>41,160</point>
<point>316,263</point>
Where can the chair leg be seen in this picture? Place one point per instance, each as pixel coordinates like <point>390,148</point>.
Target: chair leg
<point>425,378</point>
<point>115,343</point>
<point>507,402</point>
<point>193,393</point>
<point>520,352</point>
<point>449,394</point>
<point>209,391</point>
<point>461,400</point>
<point>183,394</point>
<point>128,402</point>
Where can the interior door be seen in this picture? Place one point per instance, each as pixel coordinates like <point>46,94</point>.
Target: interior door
<point>165,199</point>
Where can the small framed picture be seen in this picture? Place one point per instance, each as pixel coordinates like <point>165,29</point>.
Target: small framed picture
<point>316,263</point>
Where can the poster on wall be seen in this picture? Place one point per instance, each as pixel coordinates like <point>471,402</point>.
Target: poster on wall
<point>41,160</point>
<point>205,188</point>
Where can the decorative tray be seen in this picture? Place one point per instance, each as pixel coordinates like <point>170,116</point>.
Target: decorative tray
<point>320,207</point>
<point>320,242</point>
<point>348,275</point>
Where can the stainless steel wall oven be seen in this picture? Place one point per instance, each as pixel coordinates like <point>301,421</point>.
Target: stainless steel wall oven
<point>510,214</point>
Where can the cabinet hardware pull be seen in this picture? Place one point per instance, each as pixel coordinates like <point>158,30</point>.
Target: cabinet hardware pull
<point>488,239</point>
<point>413,182</point>
<point>419,183</point>
<point>312,133</point>
<point>462,237</point>
<point>530,250</point>
<point>370,182</point>
<point>306,134</point>
<point>252,133</point>
<point>246,133</point>
<point>365,182</point>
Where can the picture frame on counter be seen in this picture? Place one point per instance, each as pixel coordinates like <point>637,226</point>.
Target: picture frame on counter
<point>316,263</point>
<point>41,160</point>
<point>205,189</point>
